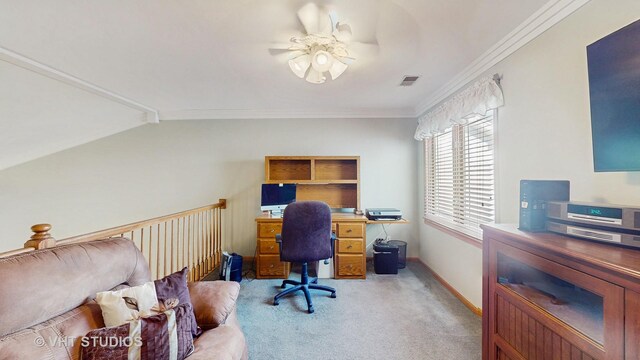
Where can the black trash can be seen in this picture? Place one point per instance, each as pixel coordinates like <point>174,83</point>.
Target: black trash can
<point>402,252</point>
<point>385,258</point>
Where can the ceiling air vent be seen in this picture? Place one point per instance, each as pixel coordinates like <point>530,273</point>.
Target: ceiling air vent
<point>409,80</point>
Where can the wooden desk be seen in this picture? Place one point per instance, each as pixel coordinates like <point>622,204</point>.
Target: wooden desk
<point>350,247</point>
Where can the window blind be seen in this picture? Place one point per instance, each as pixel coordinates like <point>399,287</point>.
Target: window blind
<point>459,176</point>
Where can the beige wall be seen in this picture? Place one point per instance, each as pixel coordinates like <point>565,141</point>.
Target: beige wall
<point>159,169</point>
<point>543,133</point>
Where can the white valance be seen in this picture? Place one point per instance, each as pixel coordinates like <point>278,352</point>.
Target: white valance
<point>484,95</point>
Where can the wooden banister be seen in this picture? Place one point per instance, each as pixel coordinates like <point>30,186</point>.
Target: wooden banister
<point>41,239</point>
<point>191,238</point>
<point>124,229</point>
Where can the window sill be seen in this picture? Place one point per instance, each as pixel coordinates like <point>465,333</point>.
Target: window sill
<point>455,233</point>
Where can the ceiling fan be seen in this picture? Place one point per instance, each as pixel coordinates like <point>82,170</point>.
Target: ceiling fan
<point>325,47</point>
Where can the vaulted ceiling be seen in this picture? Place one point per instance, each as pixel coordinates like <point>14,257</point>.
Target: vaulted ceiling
<point>72,71</point>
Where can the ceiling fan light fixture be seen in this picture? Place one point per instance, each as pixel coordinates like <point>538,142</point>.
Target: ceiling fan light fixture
<point>324,46</point>
<point>337,69</point>
<point>315,77</point>
<point>321,60</point>
<point>300,65</point>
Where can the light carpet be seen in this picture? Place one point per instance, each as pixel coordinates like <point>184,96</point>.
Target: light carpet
<point>404,316</point>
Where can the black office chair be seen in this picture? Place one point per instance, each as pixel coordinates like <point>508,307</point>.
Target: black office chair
<point>306,236</point>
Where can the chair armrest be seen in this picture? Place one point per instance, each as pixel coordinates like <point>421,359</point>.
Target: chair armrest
<point>333,242</point>
<point>279,241</point>
<point>213,301</point>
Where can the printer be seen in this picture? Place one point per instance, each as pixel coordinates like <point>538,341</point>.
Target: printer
<point>383,214</point>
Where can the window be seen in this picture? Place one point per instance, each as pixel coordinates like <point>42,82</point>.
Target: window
<point>459,176</point>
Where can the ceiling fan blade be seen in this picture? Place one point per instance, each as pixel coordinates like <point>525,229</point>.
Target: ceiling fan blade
<point>343,32</point>
<point>363,50</point>
<point>309,16</point>
<point>347,60</point>
<point>327,22</point>
<point>315,77</point>
<point>285,54</point>
<point>280,46</point>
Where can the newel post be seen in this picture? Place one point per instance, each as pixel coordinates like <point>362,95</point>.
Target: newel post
<point>41,239</point>
<point>223,203</point>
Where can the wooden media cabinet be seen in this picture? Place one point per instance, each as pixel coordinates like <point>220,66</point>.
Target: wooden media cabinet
<point>547,296</point>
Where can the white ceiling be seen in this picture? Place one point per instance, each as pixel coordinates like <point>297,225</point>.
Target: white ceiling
<point>209,59</point>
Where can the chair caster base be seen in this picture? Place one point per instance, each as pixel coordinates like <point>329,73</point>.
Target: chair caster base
<point>333,295</point>
<point>311,310</point>
<point>276,303</point>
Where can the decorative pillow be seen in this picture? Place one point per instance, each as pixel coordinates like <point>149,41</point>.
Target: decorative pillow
<point>163,336</point>
<point>121,306</point>
<point>175,286</point>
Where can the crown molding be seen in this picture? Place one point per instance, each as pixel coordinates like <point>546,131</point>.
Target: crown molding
<point>219,114</point>
<point>151,115</point>
<point>550,14</point>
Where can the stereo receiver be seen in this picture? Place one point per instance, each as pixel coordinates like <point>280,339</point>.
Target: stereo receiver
<point>602,222</point>
<point>615,216</point>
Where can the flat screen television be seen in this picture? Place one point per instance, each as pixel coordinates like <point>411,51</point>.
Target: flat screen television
<point>614,92</point>
<point>276,197</point>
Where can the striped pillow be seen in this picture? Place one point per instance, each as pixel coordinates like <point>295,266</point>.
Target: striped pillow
<point>166,335</point>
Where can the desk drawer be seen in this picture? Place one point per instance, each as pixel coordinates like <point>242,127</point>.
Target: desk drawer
<point>271,266</point>
<point>269,230</point>
<point>268,247</point>
<point>350,230</point>
<point>353,246</point>
<point>350,266</point>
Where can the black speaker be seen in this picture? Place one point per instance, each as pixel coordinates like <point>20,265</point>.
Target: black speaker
<point>534,195</point>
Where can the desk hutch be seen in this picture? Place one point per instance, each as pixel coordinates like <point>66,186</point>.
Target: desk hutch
<point>332,179</point>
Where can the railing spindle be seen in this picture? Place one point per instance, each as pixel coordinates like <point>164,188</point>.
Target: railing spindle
<point>196,266</point>
<point>150,247</point>
<point>219,219</point>
<point>189,249</point>
<point>201,247</point>
<point>184,242</point>
<point>212,239</point>
<point>208,240</point>
<point>158,252</point>
<point>172,248</point>
<point>194,244</point>
<point>164,253</point>
<point>142,240</point>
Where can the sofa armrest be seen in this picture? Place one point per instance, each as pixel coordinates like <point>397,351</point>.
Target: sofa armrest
<point>213,301</point>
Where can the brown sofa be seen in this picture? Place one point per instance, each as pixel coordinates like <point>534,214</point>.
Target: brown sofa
<point>46,301</point>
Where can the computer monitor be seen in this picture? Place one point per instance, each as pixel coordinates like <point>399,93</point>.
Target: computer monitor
<point>276,197</point>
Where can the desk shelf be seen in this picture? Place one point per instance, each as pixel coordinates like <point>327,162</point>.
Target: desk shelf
<point>332,179</point>
<point>401,221</point>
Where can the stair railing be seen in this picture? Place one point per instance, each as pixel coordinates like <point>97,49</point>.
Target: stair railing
<point>191,238</point>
